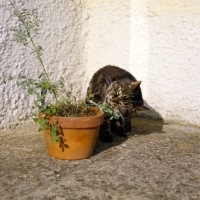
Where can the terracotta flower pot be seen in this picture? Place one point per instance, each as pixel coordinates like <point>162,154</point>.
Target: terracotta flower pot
<point>77,136</point>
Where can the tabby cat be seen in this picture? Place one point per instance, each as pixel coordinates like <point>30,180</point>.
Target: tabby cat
<point>117,86</point>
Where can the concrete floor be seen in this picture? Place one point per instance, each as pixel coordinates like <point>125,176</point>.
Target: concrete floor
<point>160,161</point>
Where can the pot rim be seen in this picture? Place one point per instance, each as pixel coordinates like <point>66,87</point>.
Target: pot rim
<point>78,122</point>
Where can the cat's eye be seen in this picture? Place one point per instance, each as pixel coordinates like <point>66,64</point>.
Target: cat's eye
<point>119,93</point>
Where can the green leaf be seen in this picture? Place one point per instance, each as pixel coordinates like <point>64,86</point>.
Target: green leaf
<point>53,110</point>
<point>46,126</point>
<point>35,119</point>
<point>36,103</point>
<point>40,48</point>
<point>47,111</point>
<point>10,78</point>
<point>40,129</point>
<point>22,77</point>
<point>40,75</point>
<point>30,90</point>
<point>91,95</point>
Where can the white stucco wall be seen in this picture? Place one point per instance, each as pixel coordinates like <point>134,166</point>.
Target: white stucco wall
<point>157,41</point>
<point>164,53</point>
<point>109,34</point>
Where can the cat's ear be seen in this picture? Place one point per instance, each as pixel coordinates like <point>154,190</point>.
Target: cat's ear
<point>142,108</point>
<point>134,84</point>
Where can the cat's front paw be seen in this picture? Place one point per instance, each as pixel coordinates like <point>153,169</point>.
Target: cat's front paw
<point>128,134</point>
<point>123,132</point>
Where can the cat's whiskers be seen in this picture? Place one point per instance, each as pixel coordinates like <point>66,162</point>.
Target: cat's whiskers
<point>106,98</point>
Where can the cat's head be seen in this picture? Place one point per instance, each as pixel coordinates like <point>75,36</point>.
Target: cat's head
<point>126,96</point>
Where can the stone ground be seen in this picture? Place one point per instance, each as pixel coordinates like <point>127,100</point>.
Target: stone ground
<point>160,161</point>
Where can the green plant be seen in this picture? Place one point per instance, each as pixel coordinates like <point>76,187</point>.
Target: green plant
<point>61,102</point>
<point>109,112</point>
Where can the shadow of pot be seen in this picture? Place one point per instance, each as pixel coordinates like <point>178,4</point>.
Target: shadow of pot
<point>77,135</point>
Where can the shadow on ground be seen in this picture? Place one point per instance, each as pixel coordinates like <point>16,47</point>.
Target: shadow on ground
<point>153,122</point>
<point>142,123</point>
<point>139,126</point>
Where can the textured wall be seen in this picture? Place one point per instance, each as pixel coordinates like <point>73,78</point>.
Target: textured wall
<point>63,35</point>
<point>157,41</point>
<point>165,51</point>
<point>109,34</point>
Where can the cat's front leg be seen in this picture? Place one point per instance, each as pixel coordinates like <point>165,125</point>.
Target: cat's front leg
<point>127,127</point>
<point>122,127</point>
<point>105,133</point>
